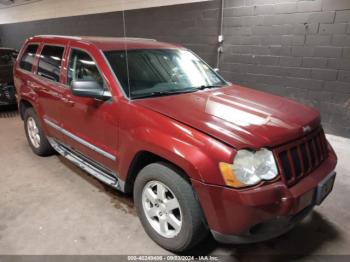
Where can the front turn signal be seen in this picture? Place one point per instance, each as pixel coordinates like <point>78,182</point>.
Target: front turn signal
<point>229,176</point>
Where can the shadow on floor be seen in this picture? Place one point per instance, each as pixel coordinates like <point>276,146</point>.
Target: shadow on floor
<point>123,202</point>
<point>304,240</point>
<point>8,111</point>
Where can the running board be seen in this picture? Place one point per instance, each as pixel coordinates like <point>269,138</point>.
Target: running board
<point>102,175</point>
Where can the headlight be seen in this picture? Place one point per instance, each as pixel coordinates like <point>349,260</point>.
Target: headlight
<point>249,168</point>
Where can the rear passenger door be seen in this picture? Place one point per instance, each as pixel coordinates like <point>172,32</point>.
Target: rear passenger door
<point>49,88</point>
<point>90,125</point>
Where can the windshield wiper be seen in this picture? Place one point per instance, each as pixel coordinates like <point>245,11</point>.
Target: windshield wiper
<point>207,87</point>
<point>164,93</point>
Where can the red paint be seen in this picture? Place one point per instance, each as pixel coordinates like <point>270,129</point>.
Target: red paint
<point>233,211</point>
<point>195,131</point>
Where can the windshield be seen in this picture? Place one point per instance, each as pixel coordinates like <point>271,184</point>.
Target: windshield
<point>161,71</point>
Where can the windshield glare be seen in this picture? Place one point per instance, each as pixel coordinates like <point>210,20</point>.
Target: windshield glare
<point>161,70</point>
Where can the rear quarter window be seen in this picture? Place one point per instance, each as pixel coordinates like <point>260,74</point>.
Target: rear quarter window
<point>27,59</point>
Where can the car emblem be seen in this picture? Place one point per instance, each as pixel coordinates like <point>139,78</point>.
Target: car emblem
<point>306,129</point>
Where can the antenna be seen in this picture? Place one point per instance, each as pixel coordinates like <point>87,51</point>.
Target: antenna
<point>126,50</point>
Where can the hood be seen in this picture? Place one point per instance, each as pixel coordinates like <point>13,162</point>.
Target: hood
<point>241,117</point>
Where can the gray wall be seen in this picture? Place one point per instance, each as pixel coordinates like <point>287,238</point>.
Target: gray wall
<point>298,49</point>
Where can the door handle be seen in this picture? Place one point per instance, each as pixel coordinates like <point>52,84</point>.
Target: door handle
<point>31,84</point>
<point>67,101</point>
<point>35,86</point>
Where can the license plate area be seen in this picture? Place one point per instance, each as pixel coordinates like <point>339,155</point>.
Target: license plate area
<point>324,188</point>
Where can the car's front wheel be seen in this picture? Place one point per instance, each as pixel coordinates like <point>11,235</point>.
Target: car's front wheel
<point>168,208</point>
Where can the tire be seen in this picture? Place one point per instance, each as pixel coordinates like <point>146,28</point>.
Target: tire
<point>193,228</point>
<point>42,147</point>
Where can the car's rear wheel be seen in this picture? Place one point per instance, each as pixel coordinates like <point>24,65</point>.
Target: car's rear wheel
<point>168,208</point>
<point>35,135</point>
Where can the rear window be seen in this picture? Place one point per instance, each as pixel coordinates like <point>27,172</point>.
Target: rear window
<point>50,62</point>
<point>27,59</point>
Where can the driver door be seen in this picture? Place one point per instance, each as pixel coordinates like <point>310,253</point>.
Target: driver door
<point>90,125</point>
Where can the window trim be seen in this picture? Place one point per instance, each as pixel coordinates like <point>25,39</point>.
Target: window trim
<point>20,56</point>
<point>62,62</point>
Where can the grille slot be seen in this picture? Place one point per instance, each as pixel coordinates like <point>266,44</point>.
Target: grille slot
<point>296,161</point>
<point>305,157</point>
<point>299,158</point>
<point>285,165</point>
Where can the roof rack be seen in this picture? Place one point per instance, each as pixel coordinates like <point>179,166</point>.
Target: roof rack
<point>139,38</point>
<point>60,36</point>
<point>80,37</point>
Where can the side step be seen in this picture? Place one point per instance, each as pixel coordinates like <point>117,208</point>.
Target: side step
<point>101,174</point>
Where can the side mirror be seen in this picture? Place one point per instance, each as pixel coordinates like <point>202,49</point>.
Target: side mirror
<point>91,89</point>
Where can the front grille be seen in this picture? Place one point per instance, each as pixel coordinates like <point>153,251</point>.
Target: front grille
<point>297,159</point>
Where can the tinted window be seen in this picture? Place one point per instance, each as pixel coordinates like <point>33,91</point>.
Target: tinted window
<point>83,68</point>
<point>50,62</point>
<point>153,71</point>
<point>27,59</point>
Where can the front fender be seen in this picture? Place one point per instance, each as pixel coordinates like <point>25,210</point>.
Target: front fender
<point>190,158</point>
<point>196,153</point>
<point>199,161</point>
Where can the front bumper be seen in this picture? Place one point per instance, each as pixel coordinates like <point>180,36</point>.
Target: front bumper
<point>260,213</point>
<point>7,95</point>
<point>265,231</point>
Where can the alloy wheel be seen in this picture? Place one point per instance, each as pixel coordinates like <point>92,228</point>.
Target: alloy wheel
<point>162,209</point>
<point>33,132</point>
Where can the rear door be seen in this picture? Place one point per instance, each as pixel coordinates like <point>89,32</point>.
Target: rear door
<point>90,125</point>
<point>47,84</point>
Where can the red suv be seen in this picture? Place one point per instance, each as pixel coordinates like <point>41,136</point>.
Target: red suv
<point>200,155</point>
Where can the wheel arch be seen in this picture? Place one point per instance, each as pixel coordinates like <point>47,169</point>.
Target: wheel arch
<point>144,158</point>
<point>23,106</point>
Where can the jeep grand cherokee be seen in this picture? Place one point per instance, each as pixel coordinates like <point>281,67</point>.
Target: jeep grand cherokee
<point>200,155</point>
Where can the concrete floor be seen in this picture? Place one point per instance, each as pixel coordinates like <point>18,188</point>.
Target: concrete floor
<point>48,206</point>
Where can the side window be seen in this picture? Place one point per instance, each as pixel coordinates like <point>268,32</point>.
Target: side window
<point>50,62</point>
<point>83,68</point>
<point>27,59</point>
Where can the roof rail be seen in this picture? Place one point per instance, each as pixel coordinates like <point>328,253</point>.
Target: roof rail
<point>60,36</point>
<point>80,38</point>
<point>140,38</point>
